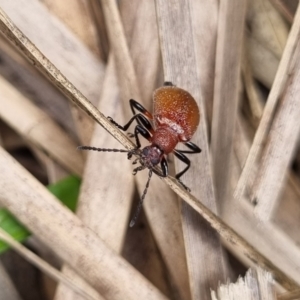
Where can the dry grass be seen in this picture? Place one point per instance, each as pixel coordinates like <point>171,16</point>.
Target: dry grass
<point>243,187</point>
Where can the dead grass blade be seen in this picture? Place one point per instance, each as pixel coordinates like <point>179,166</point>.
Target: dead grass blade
<point>102,207</point>
<point>8,291</point>
<point>268,238</point>
<point>286,8</point>
<point>53,74</point>
<point>279,83</point>
<point>145,51</point>
<point>72,58</point>
<point>42,63</point>
<point>126,74</point>
<point>280,147</point>
<point>36,127</point>
<point>64,291</point>
<point>254,95</point>
<point>179,62</point>
<point>264,63</point>
<point>79,19</point>
<point>107,170</point>
<point>37,88</point>
<point>43,266</point>
<point>63,232</point>
<point>267,26</point>
<point>289,296</point>
<point>257,284</point>
<point>205,23</point>
<point>265,40</point>
<point>232,17</point>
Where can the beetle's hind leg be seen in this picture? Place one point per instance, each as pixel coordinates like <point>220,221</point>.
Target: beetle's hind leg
<point>184,159</point>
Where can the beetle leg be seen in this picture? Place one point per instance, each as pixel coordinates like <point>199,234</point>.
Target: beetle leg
<point>164,168</point>
<point>140,117</point>
<point>184,159</point>
<point>141,120</point>
<point>144,133</point>
<point>180,155</point>
<point>134,105</point>
<point>194,148</point>
<point>126,126</point>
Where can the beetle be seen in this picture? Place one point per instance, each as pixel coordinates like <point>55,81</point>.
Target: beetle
<point>175,119</point>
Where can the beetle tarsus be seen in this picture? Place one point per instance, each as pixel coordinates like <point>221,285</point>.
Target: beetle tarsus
<point>184,186</point>
<point>130,134</point>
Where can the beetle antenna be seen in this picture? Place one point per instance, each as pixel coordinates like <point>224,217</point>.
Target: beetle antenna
<point>138,209</point>
<point>100,149</point>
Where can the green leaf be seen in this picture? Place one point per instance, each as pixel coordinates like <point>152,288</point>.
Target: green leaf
<point>10,224</point>
<point>66,190</point>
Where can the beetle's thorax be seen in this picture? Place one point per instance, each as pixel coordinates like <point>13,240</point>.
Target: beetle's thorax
<point>165,138</point>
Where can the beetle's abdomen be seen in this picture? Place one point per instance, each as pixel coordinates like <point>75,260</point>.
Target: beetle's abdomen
<point>177,109</point>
